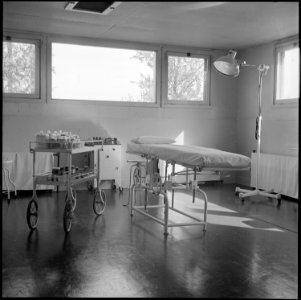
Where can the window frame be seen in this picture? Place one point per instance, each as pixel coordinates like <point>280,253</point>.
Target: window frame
<point>281,45</point>
<point>102,43</point>
<point>182,52</point>
<point>38,41</point>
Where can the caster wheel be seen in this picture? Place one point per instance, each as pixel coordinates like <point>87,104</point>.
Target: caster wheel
<point>73,199</point>
<point>99,202</point>
<point>32,214</point>
<point>67,218</point>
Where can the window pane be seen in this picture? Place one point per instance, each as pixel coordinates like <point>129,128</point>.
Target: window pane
<point>288,74</point>
<point>99,73</point>
<point>19,68</point>
<point>186,78</point>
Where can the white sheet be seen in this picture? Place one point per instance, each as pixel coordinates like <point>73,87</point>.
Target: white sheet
<point>21,171</point>
<point>188,155</point>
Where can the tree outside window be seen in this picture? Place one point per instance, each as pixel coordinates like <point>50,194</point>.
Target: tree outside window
<point>19,68</point>
<point>186,78</point>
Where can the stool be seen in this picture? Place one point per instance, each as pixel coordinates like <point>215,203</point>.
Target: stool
<point>6,176</point>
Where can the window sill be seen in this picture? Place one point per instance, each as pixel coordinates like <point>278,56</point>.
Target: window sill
<point>286,105</point>
<point>186,105</point>
<point>103,103</point>
<point>23,100</point>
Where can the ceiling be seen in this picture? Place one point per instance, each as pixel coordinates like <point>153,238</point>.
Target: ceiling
<point>218,25</point>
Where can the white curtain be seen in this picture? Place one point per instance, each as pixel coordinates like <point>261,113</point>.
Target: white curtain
<point>21,169</point>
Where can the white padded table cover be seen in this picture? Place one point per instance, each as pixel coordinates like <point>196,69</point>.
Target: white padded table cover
<point>192,155</point>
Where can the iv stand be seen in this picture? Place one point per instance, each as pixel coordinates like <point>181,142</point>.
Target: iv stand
<point>262,70</point>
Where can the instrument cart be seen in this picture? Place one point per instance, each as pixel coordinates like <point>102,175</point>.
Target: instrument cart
<point>69,179</point>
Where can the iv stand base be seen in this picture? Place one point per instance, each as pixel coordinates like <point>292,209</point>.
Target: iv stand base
<point>247,193</point>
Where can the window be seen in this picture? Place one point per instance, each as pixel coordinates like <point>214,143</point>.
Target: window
<point>89,72</point>
<point>287,72</point>
<point>21,67</point>
<point>187,78</point>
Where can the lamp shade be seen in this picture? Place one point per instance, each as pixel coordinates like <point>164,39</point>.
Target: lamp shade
<point>228,65</point>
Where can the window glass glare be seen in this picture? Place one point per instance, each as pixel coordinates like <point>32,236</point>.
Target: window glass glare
<point>19,68</point>
<point>186,78</point>
<point>288,74</point>
<point>82,72</point>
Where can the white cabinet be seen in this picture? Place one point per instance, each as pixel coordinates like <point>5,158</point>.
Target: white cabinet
<point>110,163</point>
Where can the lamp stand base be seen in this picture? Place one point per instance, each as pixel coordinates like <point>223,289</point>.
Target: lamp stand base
<point>242,193</point>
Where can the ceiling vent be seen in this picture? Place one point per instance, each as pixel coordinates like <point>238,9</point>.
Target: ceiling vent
<point>100,8</point>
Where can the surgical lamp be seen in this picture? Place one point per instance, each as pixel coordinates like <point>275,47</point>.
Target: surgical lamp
<point>228,65</point>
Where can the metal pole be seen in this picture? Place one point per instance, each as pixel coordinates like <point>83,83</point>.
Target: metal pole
<point>165,178</point>
<point>69,176</point>
<point>193,187</point>
<point>261,70</point>
<point>166,214</point>
<point>172,190</point>
<point>34,173</point>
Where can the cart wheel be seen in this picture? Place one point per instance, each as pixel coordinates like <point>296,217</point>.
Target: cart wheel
<point>73,198</point>
<point>32,214</point>
<point>73,192</point>
<point>67,219</point>
<point>99,202</point>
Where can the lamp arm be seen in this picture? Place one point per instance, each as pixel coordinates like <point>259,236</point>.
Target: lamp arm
<point>244,64</point>
<point>260,68</point>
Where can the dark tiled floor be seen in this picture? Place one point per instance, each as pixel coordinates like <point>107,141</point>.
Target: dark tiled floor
<point>248,251</point>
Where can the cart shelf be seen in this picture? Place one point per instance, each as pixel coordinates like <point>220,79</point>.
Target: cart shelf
<point>57,147</point>
<point>51,179</point>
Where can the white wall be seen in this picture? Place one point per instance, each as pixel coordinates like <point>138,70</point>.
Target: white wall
<point>280,134</point>
<point>211,127</point>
